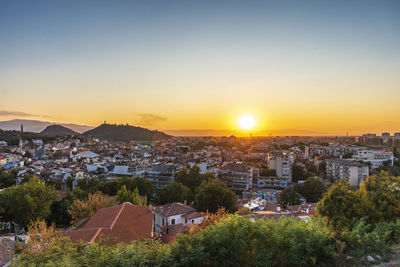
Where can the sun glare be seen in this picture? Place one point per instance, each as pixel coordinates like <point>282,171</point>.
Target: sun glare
<point>247,122</point>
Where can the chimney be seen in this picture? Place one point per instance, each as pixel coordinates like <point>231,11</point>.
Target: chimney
<point>185,202</point>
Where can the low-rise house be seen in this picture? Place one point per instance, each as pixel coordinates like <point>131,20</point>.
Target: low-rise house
<point>175,213</point>
<point>122,223</point>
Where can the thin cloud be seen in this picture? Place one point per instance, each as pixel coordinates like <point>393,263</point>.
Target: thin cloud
<point>149,119</point>
<point>20,114</point>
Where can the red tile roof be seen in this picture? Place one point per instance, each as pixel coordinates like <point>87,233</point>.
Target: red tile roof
<point>124,222</point>
<point>172,209</point>
<point>192,215</point>
<point>6,248</point>
<point>170,231</point>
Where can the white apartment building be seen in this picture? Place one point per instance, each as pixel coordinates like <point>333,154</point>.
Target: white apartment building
<point>346,169</point>
<point>375,157</point>
<point>283,166</point>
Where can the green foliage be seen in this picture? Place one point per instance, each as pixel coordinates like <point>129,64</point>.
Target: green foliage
<point>267,172</point>
<point>124,133</point>
<point>288,197</point>
<point>191,177</point>
<point>381,194</point>
<point>12,137</point>
<point>342,206</point>
<point>8,178</point>
<point>27,202</point>
<point>377,200</point>
<point>298,173</point>
<point>125,195</point>
<point>144,186</point>
<point>371,238</point>
<point>322,168</point>
<point>237,241</point>
<point>59,211</point>
<point>174,192</point>
<point>214,194</point>
<point>312,189</point>
<point>347,155</point>
<point>233,241</point>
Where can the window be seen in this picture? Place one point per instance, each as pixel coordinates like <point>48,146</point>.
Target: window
<point>185,221</point>
<point>173,221</point>
<point>192,221</point>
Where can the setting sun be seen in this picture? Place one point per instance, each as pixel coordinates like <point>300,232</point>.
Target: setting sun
<point>247,122</point>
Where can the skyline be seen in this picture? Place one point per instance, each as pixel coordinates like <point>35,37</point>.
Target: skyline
<point>327,67</point>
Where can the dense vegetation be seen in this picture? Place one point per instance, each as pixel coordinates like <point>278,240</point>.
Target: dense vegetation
<point>57,130</point>
<point>232,241</point>
<point>204,190</point>
<point>126,133</point>
<point>12,137</point>
<point>355,222</point>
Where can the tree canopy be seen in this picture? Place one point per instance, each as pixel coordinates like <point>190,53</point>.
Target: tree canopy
<point>214,194</point>
<point>81,209</point>
<point>288,197</point>
<point>132,197</point>
<point>27,202</point>
<point>174,192</point>
<point>312,189</point>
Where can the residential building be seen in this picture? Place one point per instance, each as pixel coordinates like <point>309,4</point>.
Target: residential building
<point>346,169</point>
<point>160,174</point>
<point>122,223</point>
<point>283,165</point>
<point>375,157</point>
<point>238,176</point>
<point>175,213</point>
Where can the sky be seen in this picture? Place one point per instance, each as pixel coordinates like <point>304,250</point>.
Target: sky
<point>327,67</point>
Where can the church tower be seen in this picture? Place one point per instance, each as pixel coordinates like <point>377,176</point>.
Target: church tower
<point>20,139</point>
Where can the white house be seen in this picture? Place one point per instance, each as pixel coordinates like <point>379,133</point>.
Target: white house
<point>175,213</point>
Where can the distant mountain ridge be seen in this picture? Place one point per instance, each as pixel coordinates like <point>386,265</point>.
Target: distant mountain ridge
<point>38,126</point>
<point>113,132</point>
<point>57,130</point>
<point>213,132</point>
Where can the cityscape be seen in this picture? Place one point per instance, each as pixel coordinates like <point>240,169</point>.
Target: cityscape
<point>199,133</point>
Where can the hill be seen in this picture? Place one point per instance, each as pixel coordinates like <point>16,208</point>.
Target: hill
<point>38,126</point>
<point>57,130</point>
<point>113,132</point>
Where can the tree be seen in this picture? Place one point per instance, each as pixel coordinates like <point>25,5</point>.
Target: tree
<point>237,241</point>
<point>342,206</point>
<point>144,186</point>
<point>289,197</point>
<point>347,155</point>
<point>125,195</point>
<point>8,178</point>
<point>192,177</point>
<point>267,172</point>
<point>214,194</point>
<point>298,173</point>
<point>174,192</point>
<point>322,168</point>
<point>41,237</point>
<point>312,189</point>
<point>27,202</point>
<point>381,194</point>
<point>59,210</point>
<point>81,209</point>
